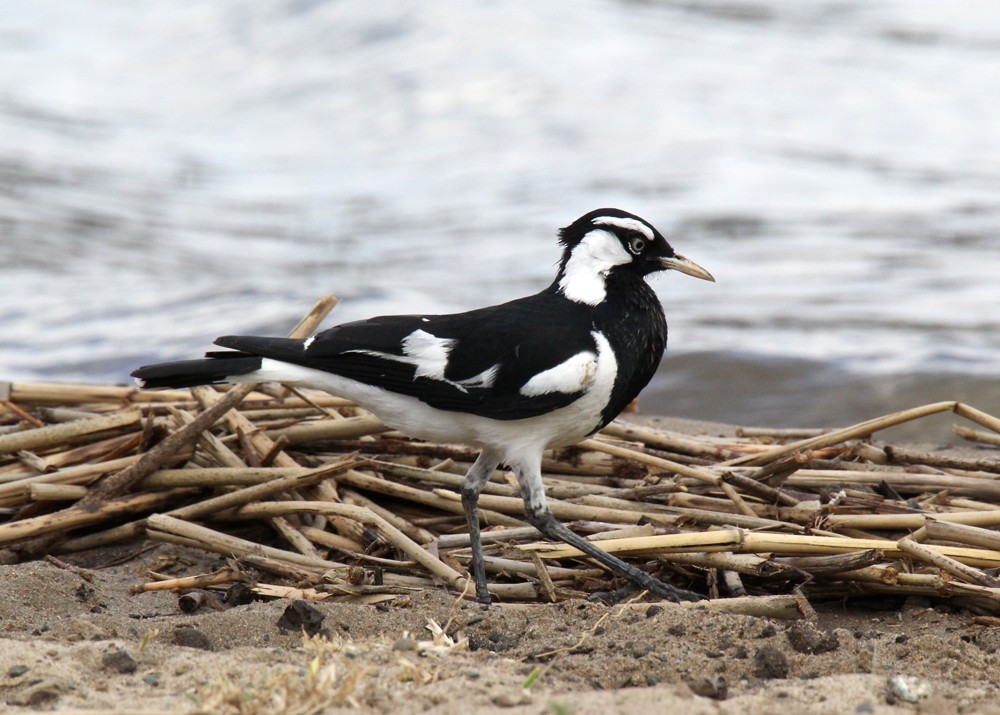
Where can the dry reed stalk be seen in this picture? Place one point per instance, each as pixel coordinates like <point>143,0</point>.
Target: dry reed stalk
<point>268,489</point>
<point>746,564</point>
<point>736,499</point>
<point>329,430</point>
<point>499,565</point>
<point>368,483</point>
<point>758,489</point>
<point>943,562</point>
<point>67,432</point>
<point>221,576</point>
<point>99,451</point>
<point>861,429</point>
<point>33,462</point>
<point>903,482</point>
<point>741,541</point>
<point>10,406</point>
<point>974,435</point>
<point>14,493</point>
<point>432,476</point>
<point>781,432</point>
<point>834,563</point>
<point>58,393</point>
<point>672,441</point>
<point>69,519</point>
<point>708,517</point>
<point>734,584</point>
<point>545,585</point>
<point>302,477</point>
<point>612,531</point>
<point>901,455</point>
<point>489,536</point>
<point>294,537</point>
<point>55,492</point>
<point>296,594</point>
<point>776,517</point>
<point>898,522</point>
<point>393,535</point>
<point>978,416</point>
<point>214,477</point>
<point>779,607</point>
<point>117,484</point>
<point>335,541</point>
<point>160,526</point>
<point>421,536</point>
<point>565,511</point>
<point>660,463</point>
<point>212,444</point>
<point>947,531</point>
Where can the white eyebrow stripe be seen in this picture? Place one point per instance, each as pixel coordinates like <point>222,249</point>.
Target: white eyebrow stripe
<point>629,224</point>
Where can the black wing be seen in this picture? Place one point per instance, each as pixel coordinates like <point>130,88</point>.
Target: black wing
<point>475,362</point>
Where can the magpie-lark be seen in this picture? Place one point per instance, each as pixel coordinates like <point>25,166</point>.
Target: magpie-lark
<point>513,379</point>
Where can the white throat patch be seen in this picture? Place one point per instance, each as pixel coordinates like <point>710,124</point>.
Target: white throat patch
<point>589,263</point>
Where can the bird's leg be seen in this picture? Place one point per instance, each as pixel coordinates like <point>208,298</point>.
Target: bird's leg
<point>530,479</point>
<point>475,479</point>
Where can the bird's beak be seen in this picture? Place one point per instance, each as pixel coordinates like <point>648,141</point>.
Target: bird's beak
<point>682,264</point>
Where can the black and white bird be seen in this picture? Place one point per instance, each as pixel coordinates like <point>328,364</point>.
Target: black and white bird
<point>514,379</point>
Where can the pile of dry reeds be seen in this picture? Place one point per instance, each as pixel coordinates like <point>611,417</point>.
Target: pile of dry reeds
<point>308,496</point>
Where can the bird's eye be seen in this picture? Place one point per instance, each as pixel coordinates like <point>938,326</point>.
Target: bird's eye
<point>636,245</point>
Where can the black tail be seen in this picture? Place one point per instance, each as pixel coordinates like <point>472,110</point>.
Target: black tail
<point>215,368</point>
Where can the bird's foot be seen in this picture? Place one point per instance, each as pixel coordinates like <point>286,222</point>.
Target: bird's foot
<point>483,593</point>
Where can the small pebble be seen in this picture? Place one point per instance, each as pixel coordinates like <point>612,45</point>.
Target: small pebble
<point>806,638</point>
<point>714,687</point>
<point>512,699</point>
<point>908,688</point>
<point>637,650</point>
<point>151,679</point>
<point>406,644</point>
<point>191,637</point>
<point>769,662</point>
<point>119,661</point>
<point>239,594</point>
<point>301,616</point>
<point>16,671</point>
<point>42,692</point>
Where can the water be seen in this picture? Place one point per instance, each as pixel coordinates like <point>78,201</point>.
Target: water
<point>172,171</point>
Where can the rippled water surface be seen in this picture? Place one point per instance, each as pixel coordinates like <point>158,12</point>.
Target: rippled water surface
<point>171,171</point>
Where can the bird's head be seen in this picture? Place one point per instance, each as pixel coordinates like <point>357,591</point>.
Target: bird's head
<point>609,242</point>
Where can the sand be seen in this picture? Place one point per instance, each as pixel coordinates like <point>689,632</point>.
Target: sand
<point>78,639</point>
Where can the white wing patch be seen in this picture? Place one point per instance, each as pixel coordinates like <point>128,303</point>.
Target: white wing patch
<point>308,341</point>
<point>630,224</point>
<point>589,263</point>
<point>573,375</point>
<point>427,353</point>
<point>484,379</point>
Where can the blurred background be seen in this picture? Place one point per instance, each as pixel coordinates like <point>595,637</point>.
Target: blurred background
<point>172,171</point>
